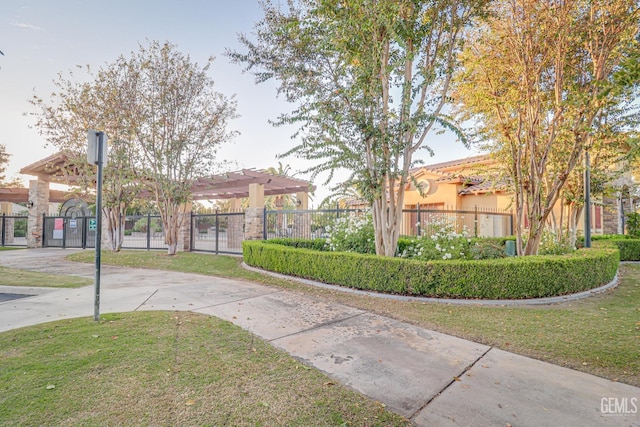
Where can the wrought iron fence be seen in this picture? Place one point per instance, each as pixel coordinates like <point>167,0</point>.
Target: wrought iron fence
<point>476,223</point>
<point>143,232</point>
<point>415,222</point>
<point>303,224</point>
<point>69,232</point>
<point>217,232</point>
<point>14,230</point>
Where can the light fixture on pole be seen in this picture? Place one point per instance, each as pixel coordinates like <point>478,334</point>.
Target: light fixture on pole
<point>587,199</point>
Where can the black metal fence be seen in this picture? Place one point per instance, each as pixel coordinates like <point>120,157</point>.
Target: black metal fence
<point>69,232</point>
<point>474,223</point>
<point>14,230</point>
<point>223,232</point>
<point>143,232</point>
<point>415,222</point>
<point>217,232</point>
<point>302,223</point>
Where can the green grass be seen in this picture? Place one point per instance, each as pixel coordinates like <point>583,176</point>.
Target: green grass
<point>10,248</point>
<point>164,368</point>
<point>15,277</point>
<point>599,335</point>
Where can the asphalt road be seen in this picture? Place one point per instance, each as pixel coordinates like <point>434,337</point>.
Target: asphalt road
<point>9,297</point>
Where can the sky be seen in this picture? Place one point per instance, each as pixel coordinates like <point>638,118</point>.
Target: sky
<point>42,38</point>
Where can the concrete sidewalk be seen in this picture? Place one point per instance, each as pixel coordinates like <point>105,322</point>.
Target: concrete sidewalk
<point>431,378</point>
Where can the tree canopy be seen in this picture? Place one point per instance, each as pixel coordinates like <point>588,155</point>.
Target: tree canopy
<point>370,81</point>
<point>540,80</point>
<point>164,123</point>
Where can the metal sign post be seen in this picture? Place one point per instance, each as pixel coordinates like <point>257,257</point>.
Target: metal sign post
<point>97,155</point>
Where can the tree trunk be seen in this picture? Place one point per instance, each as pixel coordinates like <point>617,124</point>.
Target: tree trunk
<point>115,227</point>
<point>387,219</point>
<point>172,222</point>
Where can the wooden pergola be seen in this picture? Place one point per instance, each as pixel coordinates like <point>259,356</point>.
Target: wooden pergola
<point>58,168</point>
<point>254,184</point>
<point>236,185</point>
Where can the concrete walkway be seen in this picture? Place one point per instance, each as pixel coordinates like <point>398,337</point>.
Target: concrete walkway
<point>431,378</point>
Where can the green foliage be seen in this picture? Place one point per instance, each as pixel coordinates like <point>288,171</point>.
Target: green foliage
<point>368,78</point>
<point>352,233</point>
<point>140,225</point>
<point>509,278</point>
<point>487,249</point>
<point>315,244</point>
<point>443,244</point>
<point>633,224</point>
<point>551,244</point>
<point>629,248</point>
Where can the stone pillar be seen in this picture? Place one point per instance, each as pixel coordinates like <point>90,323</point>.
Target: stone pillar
<point>302,220</point>
<point>185,232</point>
<point>254,215</point>
<point>9,223</point>
<point>235,225</point>
<point>39,196</point>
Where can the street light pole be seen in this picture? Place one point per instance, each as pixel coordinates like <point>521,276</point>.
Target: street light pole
<point>97,155</point>
<point>587,200</point>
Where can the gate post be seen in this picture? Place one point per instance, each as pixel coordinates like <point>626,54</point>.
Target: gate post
<point>254,216</point>
<point>39,201</point>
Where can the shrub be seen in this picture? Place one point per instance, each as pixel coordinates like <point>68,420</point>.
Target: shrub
<point>444,243</point>
<point>633,224</point>
<point>352,233</point>
<point>552,244</point>
<point>508,278</point>
<point>487,249</point>
<point>629,248</point>
<point>318,244</point>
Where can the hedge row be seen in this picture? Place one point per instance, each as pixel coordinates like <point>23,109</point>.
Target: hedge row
<point>508,278</point>
<point>629,248</point>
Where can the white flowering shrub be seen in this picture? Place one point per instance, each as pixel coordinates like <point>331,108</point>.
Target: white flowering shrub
<point>352,233</point>
<point>551,244</point>
<point>444,243</point>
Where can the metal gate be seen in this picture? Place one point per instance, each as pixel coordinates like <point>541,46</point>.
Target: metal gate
<point>13,230</point>
<point>220,233</point>
<point>69,232</point>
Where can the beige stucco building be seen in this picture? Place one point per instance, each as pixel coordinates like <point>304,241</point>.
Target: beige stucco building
<point>469,185</point>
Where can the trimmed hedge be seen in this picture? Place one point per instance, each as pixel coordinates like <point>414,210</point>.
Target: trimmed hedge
<point>629,248</point>
<point>508,278</point>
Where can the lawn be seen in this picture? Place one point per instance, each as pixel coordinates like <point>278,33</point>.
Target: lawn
<point>599,335</point>
<point>166,368</point>
<point>15,277</point>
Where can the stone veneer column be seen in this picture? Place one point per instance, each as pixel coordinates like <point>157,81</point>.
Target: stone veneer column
<point>9,223</point>
<point>39,196</point>
<point>235,225</point>
<point>254,215</point>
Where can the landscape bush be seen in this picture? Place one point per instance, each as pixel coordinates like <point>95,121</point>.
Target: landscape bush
<point>629,248</point>
<point>507,278</point>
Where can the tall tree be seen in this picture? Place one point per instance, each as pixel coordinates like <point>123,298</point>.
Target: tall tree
<point>370,79</point>
<point>179,122</point>
<point>536,78</point>
<point>99,103</point>
<point>164,122</point>
<point>4,160</point>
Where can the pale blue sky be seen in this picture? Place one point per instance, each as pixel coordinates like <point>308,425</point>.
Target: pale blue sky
<point>41,38</point>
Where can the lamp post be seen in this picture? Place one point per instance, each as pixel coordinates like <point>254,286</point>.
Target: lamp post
<point>97,155</point>
<point>587,200</point>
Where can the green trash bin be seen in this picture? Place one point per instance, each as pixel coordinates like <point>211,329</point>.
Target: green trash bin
<point>510,247</point>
